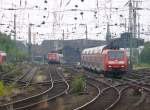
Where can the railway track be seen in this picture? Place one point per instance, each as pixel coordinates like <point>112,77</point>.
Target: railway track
<point>59,88</point>
<point>56,72</point>
<point>129,99</point>
<point>134,102</point>
<point>134,84</point>
<point>121,88</point>
<point>105,99</point>
<point>28,76</point>
<point>12,77</point>
<point>26,101</point>
<point>140,75</point>
<point>54,106</point>
<point>107,96</point>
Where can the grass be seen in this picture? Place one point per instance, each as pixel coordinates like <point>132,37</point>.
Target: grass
<point>2,89</point>
<point>40,76</point>
<point>141,66</point>
<point>66,71</point>
<point>6,90</point>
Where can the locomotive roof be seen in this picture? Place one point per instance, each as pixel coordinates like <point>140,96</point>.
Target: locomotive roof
<point>93,50</point>
<point>3,53</point>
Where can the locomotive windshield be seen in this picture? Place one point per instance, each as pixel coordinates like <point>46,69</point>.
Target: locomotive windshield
<point>115,54</point>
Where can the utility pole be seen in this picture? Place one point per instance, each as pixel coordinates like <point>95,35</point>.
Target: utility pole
<point>138,38</point>
<point>63,36</point>
<point>130,29</point>
<point>86,35</point>
<point>86,32</point>
<point>125,24</point>
<point>15,55</point>
<point>134,19</point>
<point>97,6</point>
<point>139,26</point>
<point>108,34</point>
<point>136,27</point>
<point>29,42</point>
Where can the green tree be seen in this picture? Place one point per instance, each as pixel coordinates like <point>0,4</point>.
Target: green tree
<point>21,55</point>
<point>7,45</point>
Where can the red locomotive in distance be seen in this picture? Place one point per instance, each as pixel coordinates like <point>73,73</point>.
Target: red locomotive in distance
<point>102,59</point>
<point>2,57</point>
<point>54,58</point>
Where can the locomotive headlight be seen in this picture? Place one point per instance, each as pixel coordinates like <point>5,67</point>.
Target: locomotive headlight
<point>109,66</point>
<point>111,62</point>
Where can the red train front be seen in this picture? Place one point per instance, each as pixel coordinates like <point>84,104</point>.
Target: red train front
<point>115,60</point>
<point>2,57</point>
<point>54,58</point>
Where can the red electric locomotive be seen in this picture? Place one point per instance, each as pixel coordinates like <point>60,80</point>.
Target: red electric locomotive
<point>107,60</point>
<point>54,58</point>
<point>2,57</point>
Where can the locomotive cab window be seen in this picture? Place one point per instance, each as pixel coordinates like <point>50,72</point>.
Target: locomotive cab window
<point>119,55</point>
<point>111,55</point>
<point>115,55</point>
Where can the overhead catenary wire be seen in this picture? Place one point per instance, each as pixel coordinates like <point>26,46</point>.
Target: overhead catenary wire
<point>26,6</point>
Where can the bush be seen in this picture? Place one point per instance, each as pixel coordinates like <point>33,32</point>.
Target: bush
<point>7,67</point>
<point>78,84</point>
<point>6,90</point>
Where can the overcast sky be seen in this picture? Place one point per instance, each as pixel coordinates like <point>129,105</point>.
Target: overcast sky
<point>68,15</point>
